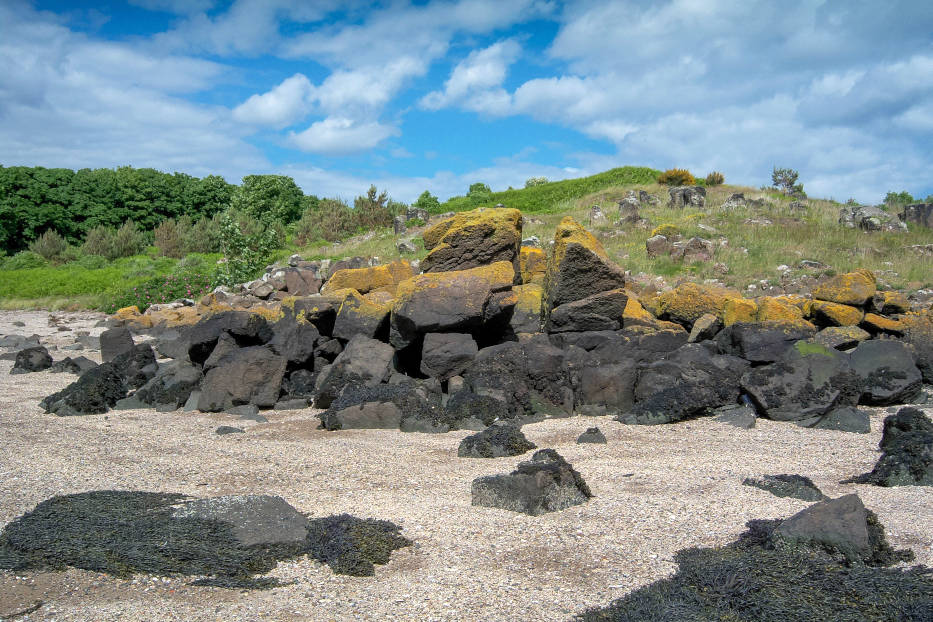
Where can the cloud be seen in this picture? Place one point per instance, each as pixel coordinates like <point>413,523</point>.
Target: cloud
<point>178,7</point>
<point>341,136</point>
<point>283,105</point>
<point>476,80</point>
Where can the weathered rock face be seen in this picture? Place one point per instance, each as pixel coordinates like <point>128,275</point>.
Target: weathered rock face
<point>95,392</point>
<point>887,372</point>
<point>840,524</point>
<point>254,519</point>
<point>114,342</point>
<point>688,196</point>
<point>171,386</point>
<point>77,365</point>
<point>470,410</point>
<point>686,303</point>
<point>136,366</point>
<point>602,311</point>
<point>592,435</point>
<point>295,342</point>
<point>246,329</point>
<point>447,354</point>
<point>527,312</point>
<point>364,361</point>
<point>361,315</point>
<point>546,483</point>
<point>579,266</point>
<point>251,375</point>
<point>807,382</point>
<point>31,360</point>
<point>834,314</point>
<point>918,334</point>
<point>694,249</point>
<point>841,337</point>
<point>870,218</point>
<point>375,278</point>
<point>532,265</point>
<point>919,214</point>
<point>907,446</point>
<point>762,342</point>
<point>446,301</point>
<point>300,282</point>
<point>496,441</point>
<point>853,288</point>
<point>474,238</point>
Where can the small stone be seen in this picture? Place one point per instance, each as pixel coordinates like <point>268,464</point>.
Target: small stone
<point>592,435</point>
<point>226,429</point>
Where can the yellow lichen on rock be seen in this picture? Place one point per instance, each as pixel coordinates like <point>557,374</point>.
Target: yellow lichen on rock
<point>473,238</point>
<point>834,313</point>
<point>737,309</point>
<point>569,232</point>
<point>687,302</point>
<point>532,265</point>
<point>874,323</point>
<point>363,280</point>
<point>853,288</point>
<point>635,314</point>
<point>771,308</point>
<point>126,313</point>
<point>888,302</point>
<point>666,229</point>
<point>579,266</point>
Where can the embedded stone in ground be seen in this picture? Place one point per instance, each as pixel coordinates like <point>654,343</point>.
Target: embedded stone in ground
<point>546,483</point>
<point>496,441</point>
<point>31,359</point>
<point>796,486</point>
<point>592,435</point>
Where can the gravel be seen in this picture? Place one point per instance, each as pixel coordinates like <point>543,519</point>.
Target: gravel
<point>657,489</point>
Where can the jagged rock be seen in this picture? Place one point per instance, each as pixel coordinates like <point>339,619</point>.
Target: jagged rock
<point>359,315</point>
<point>447,354</point>
<point>807,382</point>
<point>887,372</point>
<point>113,342</point>
<point>546,483</point>
<point>251,375</point>
<point>688,196</point>
<point>919,213</point>
<point>890,302</point>
<point>796,486</point>
<point>95,392</point>
<point>592,435</point>
<point>526,315</point>
<point>172,385</point>
<point>137,365</point>
<point>532,265</point>
<point>496,441</point>
<point>602,311</point>
<point>907,452</point>
<point>31,360</point>
<point>763,342</point>
<point>299,384</point>
<point>295,341</point>
<point>467,409</point>
<point>77,365</point>
<point>351,546</point>
<point>364,362</point>
<point>579,266</point>
<point>854,288</point>
<point>473,238</point>
<point>694,249</point>
<point>706,327</point>
<point>658,246</point>
<point>870,218</point>
<point>834,314</point>
<point>246,329</point>
<point>369,279</point>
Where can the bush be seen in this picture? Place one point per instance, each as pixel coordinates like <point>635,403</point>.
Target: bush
<point>203,236</point>
<point>50,245</point>
<point>895,199</point>
<point>113,244</point>
<point>479,191</point>
<point>330,220</point>
<point>90,262</point>
<point>535,181</point>
<point>164,288</point>
<point>371,211</point>
<point>715,179</point>
<point>677,177</point>
<point>246,252</point>
<point>167,238</point>
<point>414,222</point>
<point>785,180</point>
<point>427,201</point>
<point>24,260</point>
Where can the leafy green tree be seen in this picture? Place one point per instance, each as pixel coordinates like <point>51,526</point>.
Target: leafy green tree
<point>275,195</point>
<point>245,254</point>
<point>785,180</point>
<point>427,201</point>
<point>893,199</point>
<point>479,190</point>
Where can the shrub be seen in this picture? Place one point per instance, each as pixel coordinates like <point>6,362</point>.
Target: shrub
<point>167,238</point>
<point>91,262</point>
<point>115,243</point>
<point>677,177</point>
<point>98,241</point>
<point>427,201</point>
<point>665,229</point>
<point>164,288</point>
<point>414,222</point>
<point>371,211</point>
<point>246,252</point>
<point>535,181</point>
<point>203,236</point>
<point>901,198</point>
<point>479,191</point>
<point>24,260</point>
<point>50,245</point>
<point>330,220</point>
<point>715,179</point>
<point>785,180</point>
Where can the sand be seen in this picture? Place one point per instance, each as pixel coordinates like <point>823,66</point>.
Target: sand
<point>657,490</point>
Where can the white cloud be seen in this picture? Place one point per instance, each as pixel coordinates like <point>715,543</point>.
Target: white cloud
<point>341,136</point>
<point>475,81</point>
<point>178,7</point>
<point>283,105</point>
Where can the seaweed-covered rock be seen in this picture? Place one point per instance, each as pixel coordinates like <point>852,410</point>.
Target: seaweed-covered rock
<point>496,441</point>
<point>251,375</point>
<point>171,386</point>
<point>907,452</point>
<point>465,408</point>
<point>887,371</point>
<point>807,382</point>
<point>114,342</point>
<point>77,365</point>
<point>94,392</point>
<point>447,354</point>
<point>299,384</point>
<point>363,362</point>
<point>592,435</point>
<point>796,486</point>
<point>351,545</point>
<point>579,266</point>
<point>546,483</point>
<point>473,238</point>
<point>255,520</point>
<point>382,406</point>
<point>31,360</point>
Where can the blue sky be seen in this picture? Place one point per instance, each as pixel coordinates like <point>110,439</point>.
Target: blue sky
<point>437,95</point>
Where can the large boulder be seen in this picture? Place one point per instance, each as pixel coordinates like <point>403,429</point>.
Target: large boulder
<point>527,312</point>
<point>31,360</point>
<point>870,218</point>
<point>919,214</point>
<point>763,342</point>
<point>602,311</point>
<point>579,266</point>
<point>95,392</point>
<point>361,315</point>
<point>532,265</point>
<point>446,301</point>
<point>251,375</point>
<point>546,483</point>
<point>887,372</point>
<point>687,196</point>
<point>171,386</point>
<point>918,334</point>
<point>295,341</point>
<point>853,288</point>
<point>907,452</point>
<point>364,362</point>
<point>246,329</point>
<point>838,524</point>
<point>688,302</point>
<point>474,238</point>
<point>301,282</point>
<point>254,520</point>
<point>137,365</point>
<point>114,342</point>
<point>693,364</point>
<point>807,382</point>
<point>447,354</point>
<point>364,280</point>
<point>468,410</point>
<point>496,441</point>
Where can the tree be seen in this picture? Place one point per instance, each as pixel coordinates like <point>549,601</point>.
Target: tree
<point>371,211</point>
<point>535,181</point>
<point>246,253</point>
<point>785,180</point>
<point>275,195</point>
<point>427,201</point>
<point>479,190</point>
<point>893,199</point>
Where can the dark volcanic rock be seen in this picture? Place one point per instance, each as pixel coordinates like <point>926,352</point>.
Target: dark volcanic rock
<point>592,435</point>
<point>251,375</point>
<point>602,311</point>
<point>465,407</point>
<point>447,354</point>
<point>496,441</point>
<point>796,486</point>
<point>738,415</point>
<point>807,382</point>
<point>579,266</point>
<point>546,483</point>
<point>762,342</point>
<point>172,385</point>
<point>114,342</point>
<point>381,406</point>
<point>363,362</point>
<point>77,365</point>
<point>96,391</point>
<point>31,360</point>
<point>887,371</point>
<point>137,365</point>
<point>351,545</point>
<point>295,342</point>
<point>907,446</point>
<point>246,329</point>
<point>227,429</point>
<point>842,418</point>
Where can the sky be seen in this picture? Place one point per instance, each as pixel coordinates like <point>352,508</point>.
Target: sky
<point>436,95</point>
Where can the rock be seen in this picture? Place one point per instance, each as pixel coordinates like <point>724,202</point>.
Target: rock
<point>705,327</point>
<point>359,315</point>
<point>629,210</point>
<point>694,249</point>
<point>762,342</point>
<point>880,325</point>
<point>658,246</point>
<point>688,196</point>
<point>808,381</point>
<point>834,314</point>
<point>737,415</point>
<point>532,241</point>
<point>602,311</point>
<point>77,365</point>
<point>686,303</point>
<point>736,200</point>
<point>889,303</point>
<point>839,524</point>
<point>796,486</point>
<point>496,441</point>
<point>597,217</point>
<point>406,247</point>
<point>592,435</point>
<point>853,288</point>
<point>246,329</point>
<point>603,389</point>
<point>364,361</point>
<point>351,546</point>
<point>299,384</point>
<point>918,334</point>
<point>919,214</point>
<point>446,301</point>
<point>546,483</point>
<point>887,372</point>
<point>527,313</point>
<point>447,354</point>
<point>398,225</point>
<point>31,360</point>
<point>137,365</point>
<point>907,452</point>
<point>172,385</point>
<point>466,408</point>
<point>226,429</point>
<point>532,265</point>
<point>114,342</point>
<point>254,519</point>
<point>841,337</point>
<point>299,282</point>
<point>579,266</point>
<point>249,412</point>
<point>471,239</point>
<point>416,212</point>
<point>251,375</point>
<point>365,280</point>
<point>843,419</point>
<point>95,392</point>
<point>870,218</point>
<point>295,342</point>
